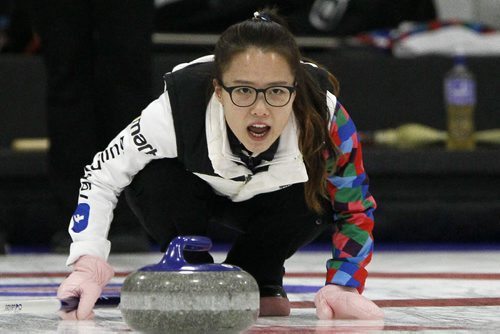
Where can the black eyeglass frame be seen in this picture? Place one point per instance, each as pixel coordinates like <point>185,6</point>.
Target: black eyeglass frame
<point>291,90</point>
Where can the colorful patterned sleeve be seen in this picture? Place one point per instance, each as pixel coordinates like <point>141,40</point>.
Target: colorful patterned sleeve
<point>353,206</point>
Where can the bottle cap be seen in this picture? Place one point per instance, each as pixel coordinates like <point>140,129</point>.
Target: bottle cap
<point>459,56</point>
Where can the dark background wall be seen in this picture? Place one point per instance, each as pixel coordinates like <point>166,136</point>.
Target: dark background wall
<point>378,90</point>
<point>424,195</point>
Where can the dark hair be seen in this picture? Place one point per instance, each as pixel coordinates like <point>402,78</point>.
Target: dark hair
<point>268,32</point>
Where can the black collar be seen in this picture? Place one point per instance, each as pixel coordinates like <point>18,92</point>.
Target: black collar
<point>245,155</point>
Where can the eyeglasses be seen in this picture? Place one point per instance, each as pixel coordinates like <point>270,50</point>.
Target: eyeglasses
<point>245,96</point>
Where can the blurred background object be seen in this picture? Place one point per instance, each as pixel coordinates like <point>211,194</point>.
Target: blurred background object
<point>414,136</point>
<point>329,17</point>
<point>484,11</point>
<point>16,28</point>
<point>325,15</point>
<point>460,100</point>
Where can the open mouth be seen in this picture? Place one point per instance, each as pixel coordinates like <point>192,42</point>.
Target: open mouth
<point>258,130</point>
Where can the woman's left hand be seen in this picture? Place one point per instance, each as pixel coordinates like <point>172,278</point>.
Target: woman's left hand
<point>340,302</point>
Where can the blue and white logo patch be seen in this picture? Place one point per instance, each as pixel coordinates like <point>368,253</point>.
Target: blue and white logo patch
<point>80,218</point>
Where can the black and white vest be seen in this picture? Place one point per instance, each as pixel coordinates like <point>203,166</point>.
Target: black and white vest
<point>202,141</point>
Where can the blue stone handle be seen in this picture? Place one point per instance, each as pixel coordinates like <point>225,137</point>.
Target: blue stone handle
<point>174,256</point>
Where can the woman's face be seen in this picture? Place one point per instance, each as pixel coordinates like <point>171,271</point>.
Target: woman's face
<point>259,125</point>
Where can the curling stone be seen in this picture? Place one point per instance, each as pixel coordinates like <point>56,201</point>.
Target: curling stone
<point>174,296</point>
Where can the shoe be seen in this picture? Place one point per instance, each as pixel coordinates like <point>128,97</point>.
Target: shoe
<point>273,302</point>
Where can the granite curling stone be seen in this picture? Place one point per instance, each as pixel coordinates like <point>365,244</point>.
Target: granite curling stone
<point>174,296</point>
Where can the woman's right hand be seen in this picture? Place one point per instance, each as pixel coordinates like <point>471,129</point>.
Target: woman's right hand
<point>90,275</point>
<point>340,302</point>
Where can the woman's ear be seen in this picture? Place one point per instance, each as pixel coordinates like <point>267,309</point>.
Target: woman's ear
<point>217,90</point>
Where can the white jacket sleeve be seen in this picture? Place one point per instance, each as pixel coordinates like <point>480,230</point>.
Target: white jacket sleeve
<point>150,136</point>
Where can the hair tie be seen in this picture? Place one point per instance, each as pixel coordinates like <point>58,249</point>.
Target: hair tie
<point>261,17</point>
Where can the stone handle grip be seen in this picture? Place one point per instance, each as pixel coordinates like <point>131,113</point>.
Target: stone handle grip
<point>194,243</point>
<point>174,257</point>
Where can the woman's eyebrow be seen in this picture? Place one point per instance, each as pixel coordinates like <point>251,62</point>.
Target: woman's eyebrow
<point>274,83</point>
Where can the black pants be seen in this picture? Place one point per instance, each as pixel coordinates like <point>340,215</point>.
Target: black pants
<point>169,201</point>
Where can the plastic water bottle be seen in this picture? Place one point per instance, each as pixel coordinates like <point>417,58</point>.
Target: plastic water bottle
<point>460,99</point>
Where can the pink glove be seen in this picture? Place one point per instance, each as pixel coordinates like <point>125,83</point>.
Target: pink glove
<point>340,302</point>
<point>90,275</point>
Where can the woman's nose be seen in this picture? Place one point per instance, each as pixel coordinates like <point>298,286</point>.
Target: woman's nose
<point>260,107</point>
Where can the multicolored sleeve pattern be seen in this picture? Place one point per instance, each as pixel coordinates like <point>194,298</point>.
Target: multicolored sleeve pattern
<point>353,206</point>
